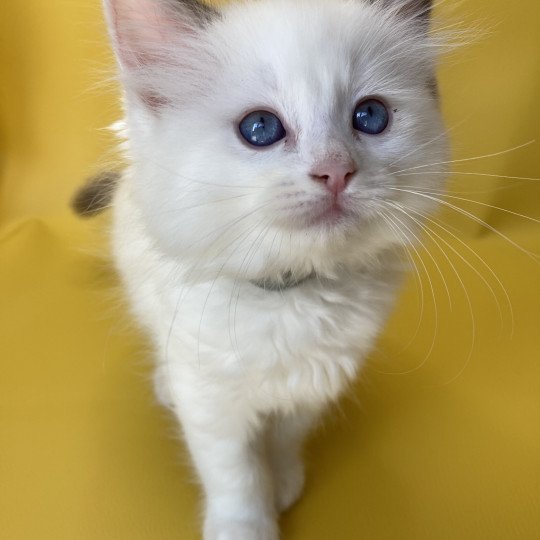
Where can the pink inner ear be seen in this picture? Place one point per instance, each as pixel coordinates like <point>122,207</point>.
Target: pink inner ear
<point>142,29</point>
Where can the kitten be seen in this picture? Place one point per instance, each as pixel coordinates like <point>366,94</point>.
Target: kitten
<point>254,228</point>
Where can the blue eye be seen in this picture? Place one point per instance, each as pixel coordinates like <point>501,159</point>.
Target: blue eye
<point>262,128</point>
<point>371,117</point>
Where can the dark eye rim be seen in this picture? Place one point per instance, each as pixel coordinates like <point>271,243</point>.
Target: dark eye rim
<point>266,109</point>
<point>385,104</point>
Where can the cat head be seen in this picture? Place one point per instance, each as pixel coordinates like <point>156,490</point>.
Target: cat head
<point>268,136</point>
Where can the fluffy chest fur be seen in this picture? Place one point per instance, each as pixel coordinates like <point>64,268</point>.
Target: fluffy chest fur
<point>275,349</point>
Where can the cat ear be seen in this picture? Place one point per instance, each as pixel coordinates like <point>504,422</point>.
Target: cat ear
<point>151,36</point>
<point>142,29</point>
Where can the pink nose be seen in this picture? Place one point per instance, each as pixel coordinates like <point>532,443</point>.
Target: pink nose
<point>335,174</point>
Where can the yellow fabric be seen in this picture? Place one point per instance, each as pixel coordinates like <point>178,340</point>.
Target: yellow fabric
<point>432,445</point>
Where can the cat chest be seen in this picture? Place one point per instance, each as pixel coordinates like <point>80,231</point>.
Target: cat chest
<point>301,348</point>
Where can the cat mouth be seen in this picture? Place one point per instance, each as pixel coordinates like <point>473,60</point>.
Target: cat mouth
<point>322,213</point>
<point>333,214</point>
<point>328,214</point>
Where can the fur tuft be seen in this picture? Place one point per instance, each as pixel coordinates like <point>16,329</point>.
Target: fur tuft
<point>96,195</point>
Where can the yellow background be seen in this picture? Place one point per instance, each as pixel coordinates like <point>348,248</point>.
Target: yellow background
<point>429,445</point>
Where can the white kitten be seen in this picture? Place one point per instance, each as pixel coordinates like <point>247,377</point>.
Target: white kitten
<point>255,228</point>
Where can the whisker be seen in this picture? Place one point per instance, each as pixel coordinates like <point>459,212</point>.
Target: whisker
<point>401,209</point>
<point>175,174</point>
<point>463,173</point>
<point>224,229</point>
<point>185,290</point>
<point>475,270</point>
<point>200,205</point>
<point>467,296</point>
<point>517,214</point>
<point>529,254</point>
<point>431,141</point>
<point>475,158</point>
<point>435,304</point>
<point>450,189</point>
<point>418,280</point>
<point>231,254</point>
<point>237,285</point>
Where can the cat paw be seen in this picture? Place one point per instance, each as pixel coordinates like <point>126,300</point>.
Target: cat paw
<point>240,530</point>
<point>289,483</point>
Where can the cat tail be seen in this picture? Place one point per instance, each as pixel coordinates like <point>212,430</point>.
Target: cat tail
<point>96,194</point>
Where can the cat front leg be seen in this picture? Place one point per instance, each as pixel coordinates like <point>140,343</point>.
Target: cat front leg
<point>286,436</point>
<point>227,447</point>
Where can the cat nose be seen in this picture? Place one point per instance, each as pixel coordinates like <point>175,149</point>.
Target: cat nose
<point>335,174</point>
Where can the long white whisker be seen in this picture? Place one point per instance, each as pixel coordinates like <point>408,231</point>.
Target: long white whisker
<point>469,304</point>
<point>231,254</point>
<point>475,158</point>
<point>241,274</point>
<point>175,174</point>
<point>468,298</point>
<point>435,305</point>
<point>530,254</point>
<point>467,173</point>
<point>418,278</point>
<point>402,209</point>
<point>184,290</point>
<point>517,214</point>
<point>450,189</point>
<point>482,261</point>
<point>431,141</point>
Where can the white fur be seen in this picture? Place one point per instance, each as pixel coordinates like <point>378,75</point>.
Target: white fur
<point>200,215</point>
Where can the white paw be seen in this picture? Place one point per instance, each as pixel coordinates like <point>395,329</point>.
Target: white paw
<point>239,530</point>
<point>289,483</point>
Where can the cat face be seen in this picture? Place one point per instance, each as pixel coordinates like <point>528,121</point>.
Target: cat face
<point>266,138</point>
